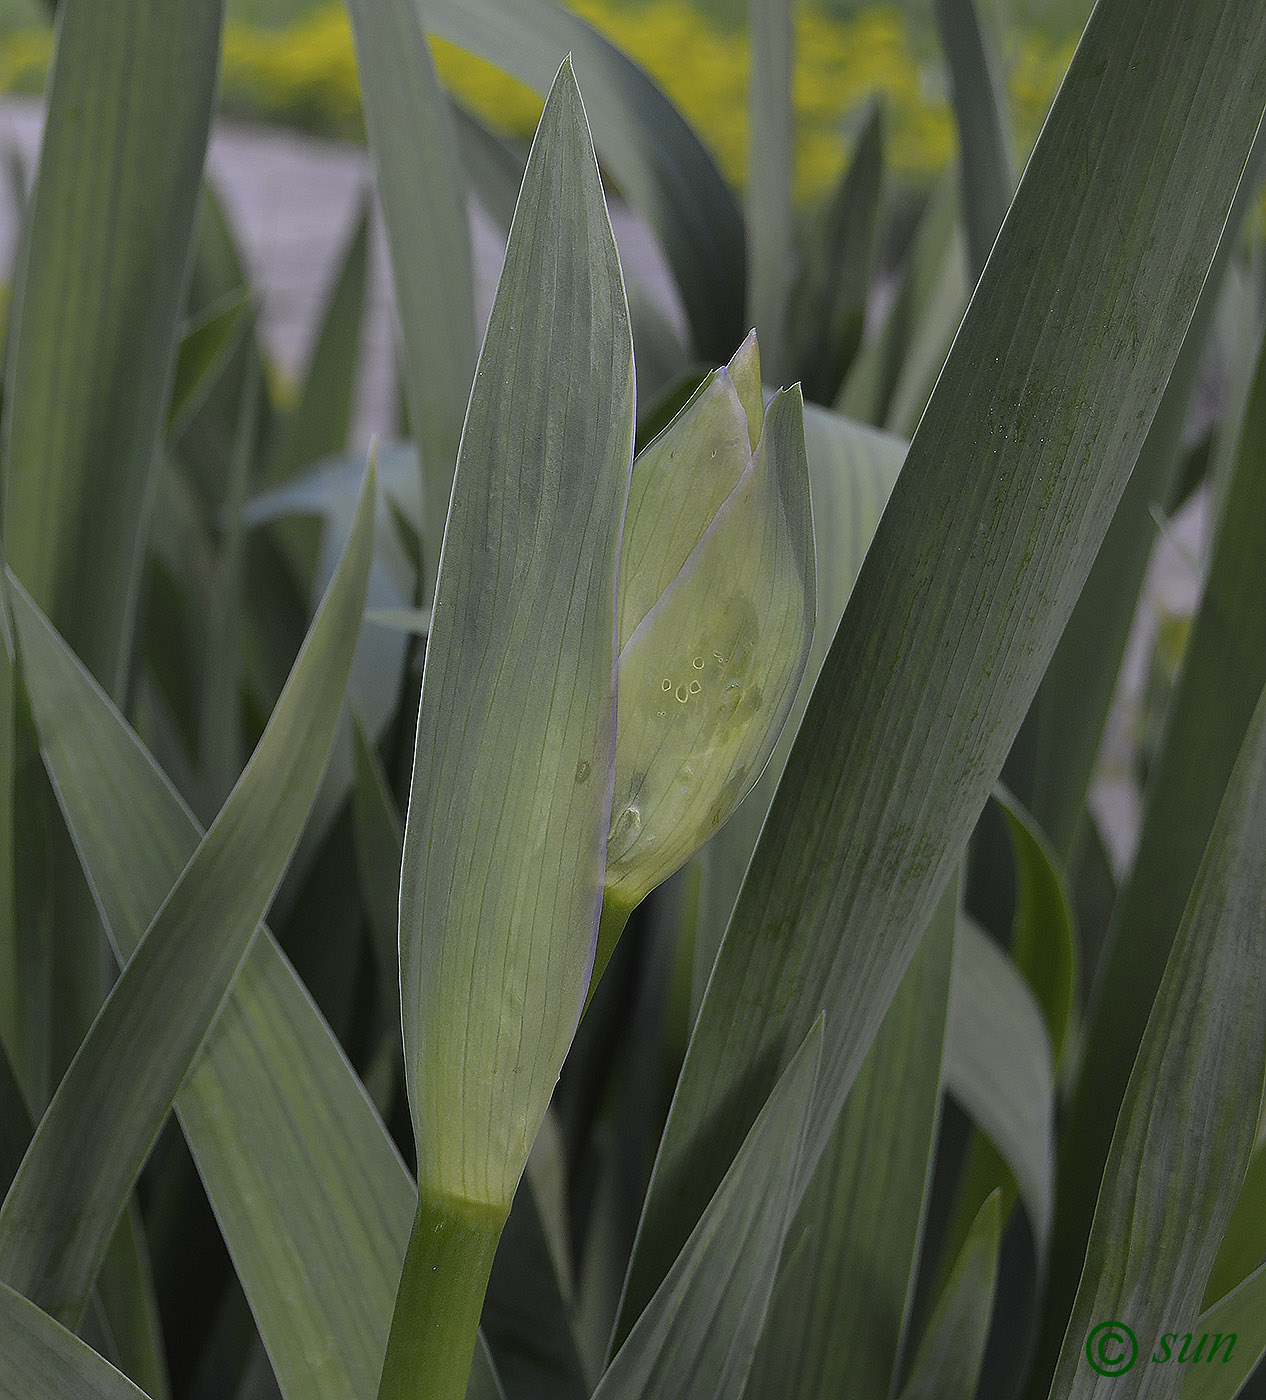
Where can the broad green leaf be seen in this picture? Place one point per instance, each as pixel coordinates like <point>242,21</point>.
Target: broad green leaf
<point>1222,674</point>
<point>423,198</point>
<point>521,648</point>
<point>62,1207</point>
<point>1051,770</point>
<point>309,1191</point>
<point>319,423</point>
<point>828,302</point>
<point>984,155</point>
<point>697,1337</point>
<point>948,1361</point>
<point>1189,1118</point>
<point>709,673</point>
<point>998,1067</point>
<point>851,472</point>
<point>839,1307</point>
<point>650,150</point>
<point>220,719</point>
<point>770,215</point>
<point>1042,941</point>
<point>1240,1315</point>
<point>41,1360</point>
<point>98,306</point>
<point>967,584</point>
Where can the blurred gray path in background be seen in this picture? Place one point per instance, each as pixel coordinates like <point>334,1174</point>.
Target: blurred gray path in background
<point>293,200</point>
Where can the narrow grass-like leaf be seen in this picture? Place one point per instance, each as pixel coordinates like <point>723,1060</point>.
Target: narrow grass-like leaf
<point>828,302</point>
<point>506,832</point>
<point>1042,941</point>
<point>379,837</point>
<point>1004,497</point>
<point>867,393</point>
<point>698,1335</point>
<point>312,1198</point>
<point>770,217</point>
<point>525,1316</point>
<point>204,348</point>
<point>220,720</point>
<point>839,1308</point>
<point>319,423</point>
<point>998,1067</point>
<point>91,1143</point>
<point>1189,1118</point>
<point>129,1299</point>
<point>948,1361</point>
<point>41,1360</point>
<point>984,156</point>
<point>15,1122</point>
<point>651,151</point>
<point>1056,752</point>
<point>98,305</point>
<point>423,197</point>
<point>1243,1247</point>
<point>493,165</point>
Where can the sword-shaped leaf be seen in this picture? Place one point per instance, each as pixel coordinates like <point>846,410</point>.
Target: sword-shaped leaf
<point>1005,495</point>
<point>89,1147</point>
<point>845,1282</point>
<point>98,305</point>
<point>697,1338</point>
<point>1189,1119</point>
<point>948,1361</point>
<point>311,1196</point>
<point>41,1360</point>
<point>423,196</point>
<point>511,797</point>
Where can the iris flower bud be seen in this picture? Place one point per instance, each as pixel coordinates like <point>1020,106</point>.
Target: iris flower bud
<point>716,608</point>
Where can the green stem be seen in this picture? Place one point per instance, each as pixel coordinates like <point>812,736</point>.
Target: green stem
<point>436,1322</point>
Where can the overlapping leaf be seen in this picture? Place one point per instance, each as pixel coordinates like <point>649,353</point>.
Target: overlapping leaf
<point>1005,495</point>
<point>91,1143</point>
<point>1189,1118</point>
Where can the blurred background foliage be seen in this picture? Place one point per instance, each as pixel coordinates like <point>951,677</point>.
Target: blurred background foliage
<point>291,62</point>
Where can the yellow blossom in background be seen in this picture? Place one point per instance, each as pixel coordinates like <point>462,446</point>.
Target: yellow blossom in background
<point>305,75</point>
